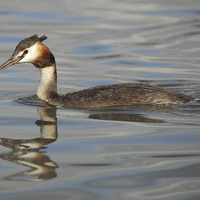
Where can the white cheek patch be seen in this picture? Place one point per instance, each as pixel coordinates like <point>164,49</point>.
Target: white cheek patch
<point>31,55</point>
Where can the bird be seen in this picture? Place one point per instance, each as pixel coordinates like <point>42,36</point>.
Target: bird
<point>32,50</point>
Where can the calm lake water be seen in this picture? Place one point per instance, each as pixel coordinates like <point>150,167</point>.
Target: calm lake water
<point>115,153</point>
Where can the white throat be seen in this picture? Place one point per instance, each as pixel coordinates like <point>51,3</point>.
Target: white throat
<point>48,82</point>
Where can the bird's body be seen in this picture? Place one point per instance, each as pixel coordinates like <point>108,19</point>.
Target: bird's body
<point>127,94</point>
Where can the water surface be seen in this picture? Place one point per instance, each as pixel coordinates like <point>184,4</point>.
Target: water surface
<point>113,153</point>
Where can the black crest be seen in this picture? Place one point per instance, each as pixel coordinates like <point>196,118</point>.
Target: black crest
<point>28,42</point>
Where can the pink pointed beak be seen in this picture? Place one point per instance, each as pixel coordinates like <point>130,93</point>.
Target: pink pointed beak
<point>11,61</point>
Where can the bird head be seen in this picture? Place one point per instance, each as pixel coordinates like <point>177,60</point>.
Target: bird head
<point>29,50</point>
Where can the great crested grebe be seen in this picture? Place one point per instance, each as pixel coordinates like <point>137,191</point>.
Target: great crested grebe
<point>127,94</point>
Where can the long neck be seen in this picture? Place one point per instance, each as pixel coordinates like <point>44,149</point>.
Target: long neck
<point>45,62</point>
<point>48,83</point>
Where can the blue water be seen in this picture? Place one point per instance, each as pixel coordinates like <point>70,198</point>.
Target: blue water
<point>114,153</point>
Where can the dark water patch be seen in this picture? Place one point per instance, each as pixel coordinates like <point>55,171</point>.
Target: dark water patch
<point>11,70</point>
<point>91,165</point>
<point>172,12</point>
<point>49,16</point>
<point>69,193</point>
<point>192,33</point>
<point>107,56</point>
<point>16,80</point>
<point>93,49</point>
<point>97,83</point>
<point>16,121</point>
<point>134,63</point>
<point>119,182</point>
<point>156,75</point>
<point>9,39</point>
<point>176,156</point>
<point>147,51</point>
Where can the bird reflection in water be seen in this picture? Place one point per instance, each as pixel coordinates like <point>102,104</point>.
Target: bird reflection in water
<point>127,114</point>
<point>26,151</point>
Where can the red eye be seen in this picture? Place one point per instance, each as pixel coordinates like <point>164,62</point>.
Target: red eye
<point>26,51</point>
